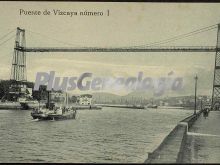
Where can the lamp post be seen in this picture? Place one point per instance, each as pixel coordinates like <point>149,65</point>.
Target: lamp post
<point>196,78</point>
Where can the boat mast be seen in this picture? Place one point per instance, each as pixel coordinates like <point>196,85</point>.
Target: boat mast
<point>66,99</point>
<point>48,99</point>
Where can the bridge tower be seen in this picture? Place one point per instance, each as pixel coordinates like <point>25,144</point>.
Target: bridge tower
<point>18,70</point>
<point>216,81</point>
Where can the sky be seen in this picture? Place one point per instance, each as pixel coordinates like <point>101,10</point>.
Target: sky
<point>128,24</point>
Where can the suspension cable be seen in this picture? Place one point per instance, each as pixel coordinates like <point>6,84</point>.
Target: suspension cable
<point>7,34</point>
<point>178,37</point>
<point>50,38</point>
<point>7,40</point>
<point>181,36</point>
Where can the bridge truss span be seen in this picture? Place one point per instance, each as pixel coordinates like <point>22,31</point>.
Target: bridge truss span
<point>147,49</point>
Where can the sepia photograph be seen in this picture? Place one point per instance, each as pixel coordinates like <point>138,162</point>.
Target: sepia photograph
<point>109,82</point>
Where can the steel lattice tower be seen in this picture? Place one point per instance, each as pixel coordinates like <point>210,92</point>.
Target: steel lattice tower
<point>18,70</point>
<point>216,81</point>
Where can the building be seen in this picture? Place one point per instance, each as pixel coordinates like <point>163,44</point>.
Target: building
<point>85,99</point>
<point>58,96</point>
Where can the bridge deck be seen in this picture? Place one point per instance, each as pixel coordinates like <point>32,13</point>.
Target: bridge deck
<point>146,49</point>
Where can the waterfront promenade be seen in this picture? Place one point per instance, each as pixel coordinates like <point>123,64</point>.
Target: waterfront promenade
<point>203,140</point>
<point>194,140</point>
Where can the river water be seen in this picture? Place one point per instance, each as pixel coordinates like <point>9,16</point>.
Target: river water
<point>110,135</point>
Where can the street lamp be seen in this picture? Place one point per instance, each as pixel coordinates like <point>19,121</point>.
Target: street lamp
<point>196,78</point>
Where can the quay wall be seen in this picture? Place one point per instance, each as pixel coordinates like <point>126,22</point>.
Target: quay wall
<point>172,147</point>
<point>10,105</point>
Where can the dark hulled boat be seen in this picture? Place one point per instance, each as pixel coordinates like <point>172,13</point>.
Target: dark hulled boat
<point>52,112</point>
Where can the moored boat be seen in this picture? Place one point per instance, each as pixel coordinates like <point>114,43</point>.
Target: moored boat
<point>87,107</point>
<point>10,105</point>
<point>151,106</point>
<point>27,104</point>
<point>123,106</point>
